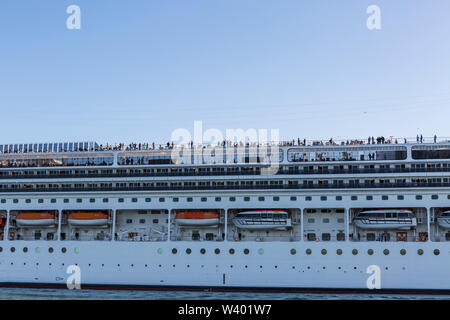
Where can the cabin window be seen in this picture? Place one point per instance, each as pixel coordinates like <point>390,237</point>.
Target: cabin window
<point>354,198</point>
<point>141,220</point>
<point>323,198</point>
<point>129,220</point>
<point>15,200</point>
<point>340,220</point>
<point>340,236</point>
<point>308,198</point>
<point>326,220</point>
<point>209,236</point>
<point>189,199</point>
<point>400,197</point>
<point>326,236</point>
<point>311,236</point>
<point>3,201</point>
<point>434,197</point>
<point>155,221</point>
<point>384,198</point>
<point>218,199</point>
<point>246,198</point>
<point>28,201</point>
<point>311,220</point>
<point>148,199</point>
<point>134,200</point>
<point>232,199</point>
<point>261,198</point>
<point>175,199</point>
<point>369,198</point>
<point>105,200</point>
<point>162,199</point>
<point>276,198</point>
<point>66,200</point>
<point>53,200</point>
<point>295,198</point>
<point>40,200</point>
<point>418,197</point>
<point>91,200</point>
<point>339,198</point>
<point>371,237</point>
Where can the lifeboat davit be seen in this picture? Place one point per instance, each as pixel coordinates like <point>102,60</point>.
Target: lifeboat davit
<point>87,219</point>
<point>198,219</point>
<point>35,219</point>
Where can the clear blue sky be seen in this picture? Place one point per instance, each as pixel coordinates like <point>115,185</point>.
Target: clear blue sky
<point>139,69</point>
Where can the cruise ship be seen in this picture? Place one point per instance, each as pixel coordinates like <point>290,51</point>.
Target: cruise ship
<point>167,217</point>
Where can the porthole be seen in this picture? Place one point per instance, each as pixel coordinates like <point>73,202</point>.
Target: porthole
<point>25,249</point>
<point>50,250</point>
<point>420,252</point>
<point>188,251</point>
<point>231,251</point>
<point>160,250</point>
<point>308,251</point>
<point>324,251</point>
<point>246,251</point>
<point>403,252</point>
<point>355,252</point>
<point>174,250</point>
<point>202,251</point>
<point>13,249</point>
<point>386,252</point>
<point>217,251</point>
<point>293,251</point>
<point>63,250</point>
<point>370,252</point>
<point>339,252</point>
<point>436,252</point>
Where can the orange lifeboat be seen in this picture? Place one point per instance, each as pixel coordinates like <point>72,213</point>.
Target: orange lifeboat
<point>197,218</point>
<point>88,218</point>
<point>38,219</point>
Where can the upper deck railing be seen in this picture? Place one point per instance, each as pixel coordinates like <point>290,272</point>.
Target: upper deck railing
<point>25,148</point>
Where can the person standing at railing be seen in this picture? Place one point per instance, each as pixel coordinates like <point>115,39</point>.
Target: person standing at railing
<point>435,138</point>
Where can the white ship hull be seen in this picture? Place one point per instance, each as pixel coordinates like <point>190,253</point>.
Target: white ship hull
<point>154,265</point>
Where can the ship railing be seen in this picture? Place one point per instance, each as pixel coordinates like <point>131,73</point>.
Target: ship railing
<point>271,238</point>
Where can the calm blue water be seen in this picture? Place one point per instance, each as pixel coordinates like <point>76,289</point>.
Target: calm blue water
<point>58,294</point>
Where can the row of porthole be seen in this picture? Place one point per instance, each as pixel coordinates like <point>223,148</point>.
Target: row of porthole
<point>369,252</point>
<point>38,250</point>
<point>216,251</point>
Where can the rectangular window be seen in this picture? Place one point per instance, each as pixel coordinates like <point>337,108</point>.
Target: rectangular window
<point>79,200</point>
<point>354,198</point>
<point>218,199</point>
<point>418,197</point>
<point>261,198</point>
<point>276,198</point>
<point>175,199</point>
<point>308,198</point>
<point>92,200</point>
<point>53,201</point>
<point>369,197</point>
<point>400,197</point>
<point>148,199</point>
<point>105,199</point>
<point>293,198</point>
<point>189,199</point>
<point>66,200</point>
<point>121,200</point>
<point>134,200</point>
<point>232,199</point>
<point>40,200</point>
<point>323,198</point>
<point>162,199</point>
<point>384,198</point>
<point>434,197</point>
<point>339,198</point>
<point>246,198</point>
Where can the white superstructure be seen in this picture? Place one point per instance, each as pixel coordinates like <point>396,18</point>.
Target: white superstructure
<point>140,216</point>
